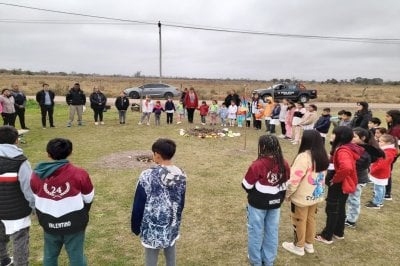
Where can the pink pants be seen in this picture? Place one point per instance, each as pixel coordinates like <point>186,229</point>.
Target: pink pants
<point>288,130</point>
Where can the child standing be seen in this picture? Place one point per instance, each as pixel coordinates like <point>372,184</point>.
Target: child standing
<point>241,114</point>
<point>232,110</point>
<point>289,120</point>
<point>297,119</point>
<point>379,132</point>
<point>158,204</point>
<point>63,194</point>
<point>122,104</point>
<point>265,184</point>
<point>203,112</point>
<point>223,114</point>
<point>17,200</point>
<point>373,124</point>
<point>306,190</point>
<point>157,110</point>
<point>282,117</point>
<point>180,109</point>
<point>213,112</point>
<point>323,123</point>
<point>169,109</point>
<point>381,170</point>
<point>147,109</point>
<point>275,117</point>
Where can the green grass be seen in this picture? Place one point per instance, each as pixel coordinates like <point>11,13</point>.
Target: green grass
<point>214,221</point>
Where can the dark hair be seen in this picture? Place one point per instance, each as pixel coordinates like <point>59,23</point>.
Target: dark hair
<point>382,130</point>
<point>364,107</point>
<point>203,102</point>
<point>343,135</point>
<point>375,120</point>
<point>165,147</point>
<point>395,115</point>
<point>347,113</point>
<point>59,148</point>
<point>327,109</point>
<point>367,135</point>
<point>301,104</point>
<point>8,135</point>
<point>341,112</point>
<point>268,146</point>
<point>3,90</point>
<point>313,142</point>
<point>290,105</point>
<point>313,106</point>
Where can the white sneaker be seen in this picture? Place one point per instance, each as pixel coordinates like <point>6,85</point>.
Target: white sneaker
<point>96,123</point>
<point>289,246</point>
<point>102,122</point>
<point>139,123</point>
<point>309,248</point>
<point>148,124</point>
<point>281,136</point>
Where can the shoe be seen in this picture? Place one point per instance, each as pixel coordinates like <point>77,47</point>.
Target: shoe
<point>281,136</point>
<point>27,128</point>
<point>323,240</point>
<point>338,237</point>
<point>388,197</point>
<point>53,126</point>
<point>309,248</point>
<point>139,123</point>
<point>96,123</point>
<point>295,142</point>
<point>349,224</point>
<point>289,246</point>
<point>101,123</point>
<point>179,122</point>
<point>80,124</point>
<point>69,125</point>
<point>7,261</point>
<point>371,205</point>
<point>148,124</point>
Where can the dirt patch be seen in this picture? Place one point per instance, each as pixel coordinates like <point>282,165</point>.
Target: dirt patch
<point>128,159</point>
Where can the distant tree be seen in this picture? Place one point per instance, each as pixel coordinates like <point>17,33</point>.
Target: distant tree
<point>138,74</point>
<point>274,80</point>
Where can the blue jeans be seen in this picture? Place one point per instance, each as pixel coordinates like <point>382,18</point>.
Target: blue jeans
<point>379,193</point>
<point>262,230</point>
<point>354,204</point>
<point>73,245</point>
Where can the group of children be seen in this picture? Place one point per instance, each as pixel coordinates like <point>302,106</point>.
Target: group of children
<point>361,152</point>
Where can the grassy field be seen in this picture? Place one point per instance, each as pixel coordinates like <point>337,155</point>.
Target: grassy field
<point>206,88</point>
<point>214,221</point>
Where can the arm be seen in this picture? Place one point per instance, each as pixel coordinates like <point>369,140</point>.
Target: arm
<point>298,171</point>
<point>24,178</point>
<point>138,209</point>
<point>87,190</point>
<point>250,178</point>
<point>38,97</point>
<point>345,167</point>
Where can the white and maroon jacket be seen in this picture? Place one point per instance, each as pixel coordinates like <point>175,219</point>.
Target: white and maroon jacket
<point>63,195</point>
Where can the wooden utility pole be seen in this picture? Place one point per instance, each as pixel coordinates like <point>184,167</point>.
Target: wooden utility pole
<point>160,48</point>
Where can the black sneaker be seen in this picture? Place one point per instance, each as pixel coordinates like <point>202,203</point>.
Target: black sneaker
<point>388,197</point>
<point>371,205</point>
<point>349,224</point>
<point>7,261</point>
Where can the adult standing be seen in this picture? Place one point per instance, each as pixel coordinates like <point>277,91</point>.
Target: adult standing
<point>7,102</point>
<point>45,99</point>
<point>76,99</point>
<point>191,102</point>
<point>393,122</point>
<point>19,104</point>
<point>232,96</point>
<point>362,116</point>
<point>183,96</point>
<point>98,102</point>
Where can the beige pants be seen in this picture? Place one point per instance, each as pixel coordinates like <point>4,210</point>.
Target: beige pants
<point>78,109</point>
<point>304,226</point>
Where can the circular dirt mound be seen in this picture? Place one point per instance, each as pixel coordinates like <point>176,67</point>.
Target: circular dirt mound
<point>127,159</point>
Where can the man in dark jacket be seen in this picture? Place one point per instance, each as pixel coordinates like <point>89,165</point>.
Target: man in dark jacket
<point>45,99</point>
<point>76,99</point>
<point>19,103</point>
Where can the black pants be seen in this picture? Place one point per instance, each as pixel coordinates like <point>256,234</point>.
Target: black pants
<point>283,127</point>
<point>98,113</point>
<point>335,212</point>
<point>170,116</point>
<point>190,112</point>
<point>20,112</point>
<point>8,119</point>
<point>47,110</point>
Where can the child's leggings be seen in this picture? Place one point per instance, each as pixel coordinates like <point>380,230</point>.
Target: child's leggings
<point>151,256</point>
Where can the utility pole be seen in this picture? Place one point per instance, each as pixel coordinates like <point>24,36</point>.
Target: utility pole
<point>159,36</point>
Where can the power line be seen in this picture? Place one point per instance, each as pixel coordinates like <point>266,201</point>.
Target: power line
<point>190,27</point>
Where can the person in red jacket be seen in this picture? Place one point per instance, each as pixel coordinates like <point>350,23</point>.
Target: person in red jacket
<point>203,112</point>
<point>341,180</point>
<point>393,121</point>
<point>381,170</point>
<point>191,102</point>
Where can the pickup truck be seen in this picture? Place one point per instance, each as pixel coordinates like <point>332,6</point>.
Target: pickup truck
<point>294,92</point>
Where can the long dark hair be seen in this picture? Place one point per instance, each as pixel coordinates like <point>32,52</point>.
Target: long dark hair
<point>268,146</point>
<point>312,141</point>
<point>366,136</point>
<point>343,135</point>
<point>395,115</point>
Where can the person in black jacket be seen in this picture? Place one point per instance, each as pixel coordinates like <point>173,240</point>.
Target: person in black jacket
<point>45,99</point>
<point>232,96</point>
<point>122,104</point>
<point>98,102</point>
<point>323,123</point>
<point>362,116</point>
<point>19,104</point>
<point>76,99</point>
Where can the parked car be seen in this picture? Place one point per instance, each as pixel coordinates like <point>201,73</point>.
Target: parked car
<point>294,92</point>
<point>155,90</point>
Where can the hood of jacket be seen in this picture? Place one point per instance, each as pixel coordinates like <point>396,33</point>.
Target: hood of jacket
<point>170,175</point>
<point>10,150</point>
<point>46,169</point>
<point>356,150</point>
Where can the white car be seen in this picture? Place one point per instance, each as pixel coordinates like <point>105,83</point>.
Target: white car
<point>155,90</point>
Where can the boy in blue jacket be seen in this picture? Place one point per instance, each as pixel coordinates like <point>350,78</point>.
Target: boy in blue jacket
<point>158,204</point>
<point>323,123</point>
